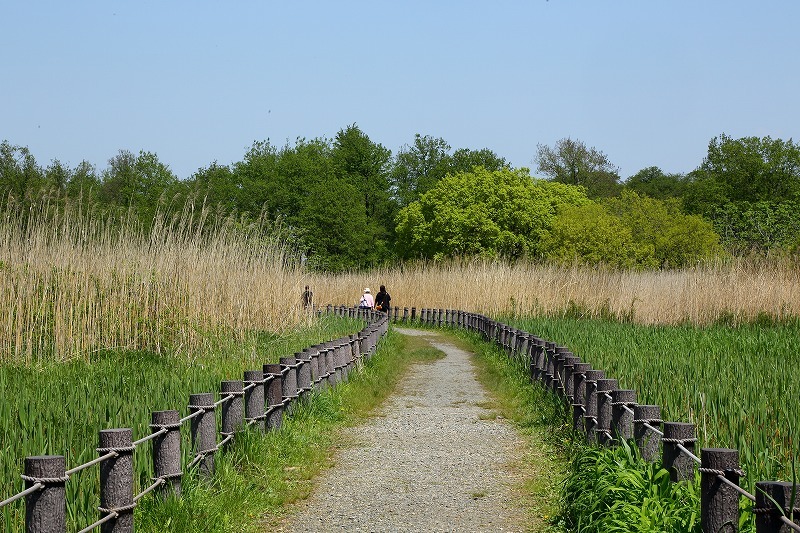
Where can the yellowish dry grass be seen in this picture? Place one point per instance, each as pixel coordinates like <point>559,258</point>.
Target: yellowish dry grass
<point>741,289</point>
<point>72,283</point>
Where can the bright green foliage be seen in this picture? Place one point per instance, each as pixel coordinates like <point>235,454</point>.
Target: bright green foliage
<point>676,239</point>
<point>482,212</point>
<point>590,234</point>
<point>613,490</point>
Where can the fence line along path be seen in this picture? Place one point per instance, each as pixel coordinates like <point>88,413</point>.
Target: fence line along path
<point>434,458</point>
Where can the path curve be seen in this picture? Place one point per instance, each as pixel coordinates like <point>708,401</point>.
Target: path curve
<point>433,458</point>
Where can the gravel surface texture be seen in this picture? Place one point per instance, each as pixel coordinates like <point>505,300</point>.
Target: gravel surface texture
<point>435,457</point>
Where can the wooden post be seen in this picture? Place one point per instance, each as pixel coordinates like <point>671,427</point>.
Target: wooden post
<point>623,403</point>
<point>254,398</point>
<point>569,381</point>
<point>289,382</point>
<point>590,416</point>
<point>46,509</point>
<point>204,430</point>
<point>773,499</point>
<point>647,440</point>
<point>116,480</point>
<point>719,503</point>
<point>233,409</point>
<point>603,393</point>
<point>167,451</point>
<point>274,394</point>
<point>679,465</point>
<point>303,373</point>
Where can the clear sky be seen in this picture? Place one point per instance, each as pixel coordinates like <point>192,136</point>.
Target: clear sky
<point>648,83</point>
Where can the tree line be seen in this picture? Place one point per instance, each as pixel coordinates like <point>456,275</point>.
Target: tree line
<point>349,202</point>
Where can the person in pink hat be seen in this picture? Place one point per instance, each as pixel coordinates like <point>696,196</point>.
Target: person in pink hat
<point>367,301</point>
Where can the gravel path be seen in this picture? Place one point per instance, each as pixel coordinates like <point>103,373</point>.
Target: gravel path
<point>433,458</point>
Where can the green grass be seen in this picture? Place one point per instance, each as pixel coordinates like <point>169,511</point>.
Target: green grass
<point>738,384</point>
<point>58,409</point>
<point>613,490</point>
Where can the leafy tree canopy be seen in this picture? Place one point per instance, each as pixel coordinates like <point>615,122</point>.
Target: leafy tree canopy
<point>572,162</point>
<point>482,212</point>
<point>653,182</point>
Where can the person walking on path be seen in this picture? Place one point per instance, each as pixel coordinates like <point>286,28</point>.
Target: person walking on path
<point>383,301</point>
<point>308,298</point>
<point>367,301</point>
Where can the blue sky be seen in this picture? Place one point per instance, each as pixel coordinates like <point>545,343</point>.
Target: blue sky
<point>648,83</point>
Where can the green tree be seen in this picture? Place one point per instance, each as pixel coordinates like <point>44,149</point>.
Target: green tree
<point>752,169</point>
<point>138,181</point>
<point>465,159</point>
<point>572,162</point>
<point>419,167</point>
<point>653,182</point>
<point>364,164</point>
<point>677,239</point>
<point>20,176</point>
<point>482,212</point>
<point>588,233</point>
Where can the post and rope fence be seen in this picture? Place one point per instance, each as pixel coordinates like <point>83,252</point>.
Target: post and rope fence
<point>261,399</point>
<point>608,415</point>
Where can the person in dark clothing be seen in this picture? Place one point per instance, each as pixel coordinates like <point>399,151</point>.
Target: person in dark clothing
<point>383,301</point>
<point>308,298</point>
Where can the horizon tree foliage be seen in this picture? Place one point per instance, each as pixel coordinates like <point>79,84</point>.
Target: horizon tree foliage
<point>348,203</point>
<point>572,162</point>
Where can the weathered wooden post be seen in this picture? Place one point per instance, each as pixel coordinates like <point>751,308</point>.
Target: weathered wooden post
<point>719,502</point>
<point>413,315</point>
<point>569,384</point>
<point>116,480</point>
<point>590,416</point>
<point>46,508</point>
<point>289,383</point>
<point>204,430</point>
<point>679,465</point>
<point>773,500</point>
<point>274,395</point>
<point>549,369</point>
<point>579,395</point>
<point>647,440</point>
<point>603,428</point>
<point>303,373</point>
<point>233,409</point>
<point>313,354</point>
<point>254,398</point>
<point>623,403</point>
<point>167,451</point>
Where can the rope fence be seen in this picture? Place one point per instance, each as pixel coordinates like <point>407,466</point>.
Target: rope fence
<point>607,415</point>
<point>261,399</point>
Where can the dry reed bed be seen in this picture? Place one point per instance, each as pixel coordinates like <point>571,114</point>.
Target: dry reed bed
<point>72,283</point>
<point>738,289</point>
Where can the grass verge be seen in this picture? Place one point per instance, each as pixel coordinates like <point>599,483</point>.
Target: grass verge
<point>263,472</point>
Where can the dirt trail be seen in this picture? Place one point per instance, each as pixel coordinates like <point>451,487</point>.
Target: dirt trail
<point>433,458</point>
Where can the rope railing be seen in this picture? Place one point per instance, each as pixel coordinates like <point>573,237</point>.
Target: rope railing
<point>610,416</point>
<point>261,402</point>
